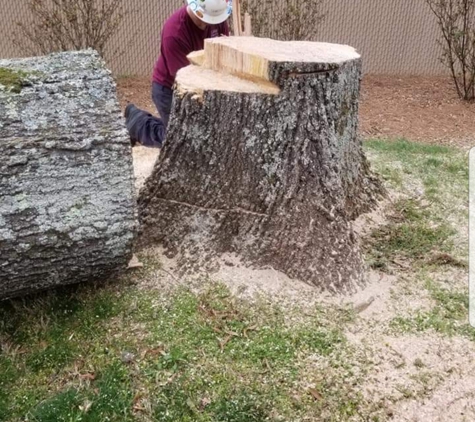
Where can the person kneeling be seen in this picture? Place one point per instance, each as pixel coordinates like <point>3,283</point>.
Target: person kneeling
<point>183,33</point>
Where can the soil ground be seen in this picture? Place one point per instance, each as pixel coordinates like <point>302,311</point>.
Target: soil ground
<point>413,348</point>
<point>419,370</point>
<point>416,108</point>
<point>424,109</point>
<point>247,345</point>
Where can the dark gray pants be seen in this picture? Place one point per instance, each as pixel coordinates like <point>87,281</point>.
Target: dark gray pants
<point>147,129</point>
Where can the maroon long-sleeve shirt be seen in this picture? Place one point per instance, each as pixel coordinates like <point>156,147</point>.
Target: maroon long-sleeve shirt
<point>181,36</point>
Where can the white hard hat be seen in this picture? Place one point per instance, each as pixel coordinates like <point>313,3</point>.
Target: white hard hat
<point>212,12</point>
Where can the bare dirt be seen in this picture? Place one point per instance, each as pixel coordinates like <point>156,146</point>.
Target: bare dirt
<point>144,160</point>
<point>424,109</point>
<point>136,90</point>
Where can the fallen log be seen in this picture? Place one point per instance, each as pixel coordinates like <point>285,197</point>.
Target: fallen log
<point>262,160</point>
<point>66,175</point>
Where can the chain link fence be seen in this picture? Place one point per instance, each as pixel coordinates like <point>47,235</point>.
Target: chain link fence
<point>395,37</point>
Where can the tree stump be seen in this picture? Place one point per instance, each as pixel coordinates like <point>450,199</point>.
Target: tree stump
<point>262,160</point>
<point>66,176</point>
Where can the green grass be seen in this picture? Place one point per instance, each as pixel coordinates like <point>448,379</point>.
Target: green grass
<point>448,316</point>
<point>430,212</point>
<point>426,229</point>
<point>403,146</point>
<point>436,167</point>
<point>211,356</point>
<point>197,357</point>
<point>410,234</point>
<point>111,399</point>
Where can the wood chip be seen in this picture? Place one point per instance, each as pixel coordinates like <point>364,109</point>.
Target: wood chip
<point>315,394</point>
<point>85,406</point>
<point>153,352</point>
<point>135,263</point>
<point>247,329</point>
<point>364,305</point>
<point>223,343</point>
<point>137,398</point>
<point>88,377</point>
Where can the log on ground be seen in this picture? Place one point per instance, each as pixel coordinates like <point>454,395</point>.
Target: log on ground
<point>262,160</point>
<point>67,208</point>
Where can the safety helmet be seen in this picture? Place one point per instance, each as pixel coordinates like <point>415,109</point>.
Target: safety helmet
<point>212,12</point>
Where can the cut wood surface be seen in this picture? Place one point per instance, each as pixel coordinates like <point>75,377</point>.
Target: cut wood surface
<point>66,176</point>
<point>247,25</point>
<point>197,57</point>
<point>237,28</point>
<point>275,177</point>
<point>200,79</point>
<point>272,60</point>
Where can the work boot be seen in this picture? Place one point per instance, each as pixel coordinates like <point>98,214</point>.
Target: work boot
<point>144,128</point>
<point>130,123</point>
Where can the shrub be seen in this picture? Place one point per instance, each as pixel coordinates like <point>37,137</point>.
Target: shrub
<point>62,25</point>
<point>456,20</point>
<point>285,20</point>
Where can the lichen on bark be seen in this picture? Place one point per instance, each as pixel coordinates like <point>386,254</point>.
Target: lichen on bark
<point>12,80</point>
<point>66,178</point>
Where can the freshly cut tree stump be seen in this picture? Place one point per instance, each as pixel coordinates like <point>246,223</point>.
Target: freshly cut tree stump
<point>66,176</point>
<point>262,160</point>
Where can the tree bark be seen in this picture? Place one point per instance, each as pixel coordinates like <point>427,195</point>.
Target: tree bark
<point>262,160</point>
<point>66,176</point>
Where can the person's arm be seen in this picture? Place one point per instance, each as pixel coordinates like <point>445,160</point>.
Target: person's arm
<point>175,53</point>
